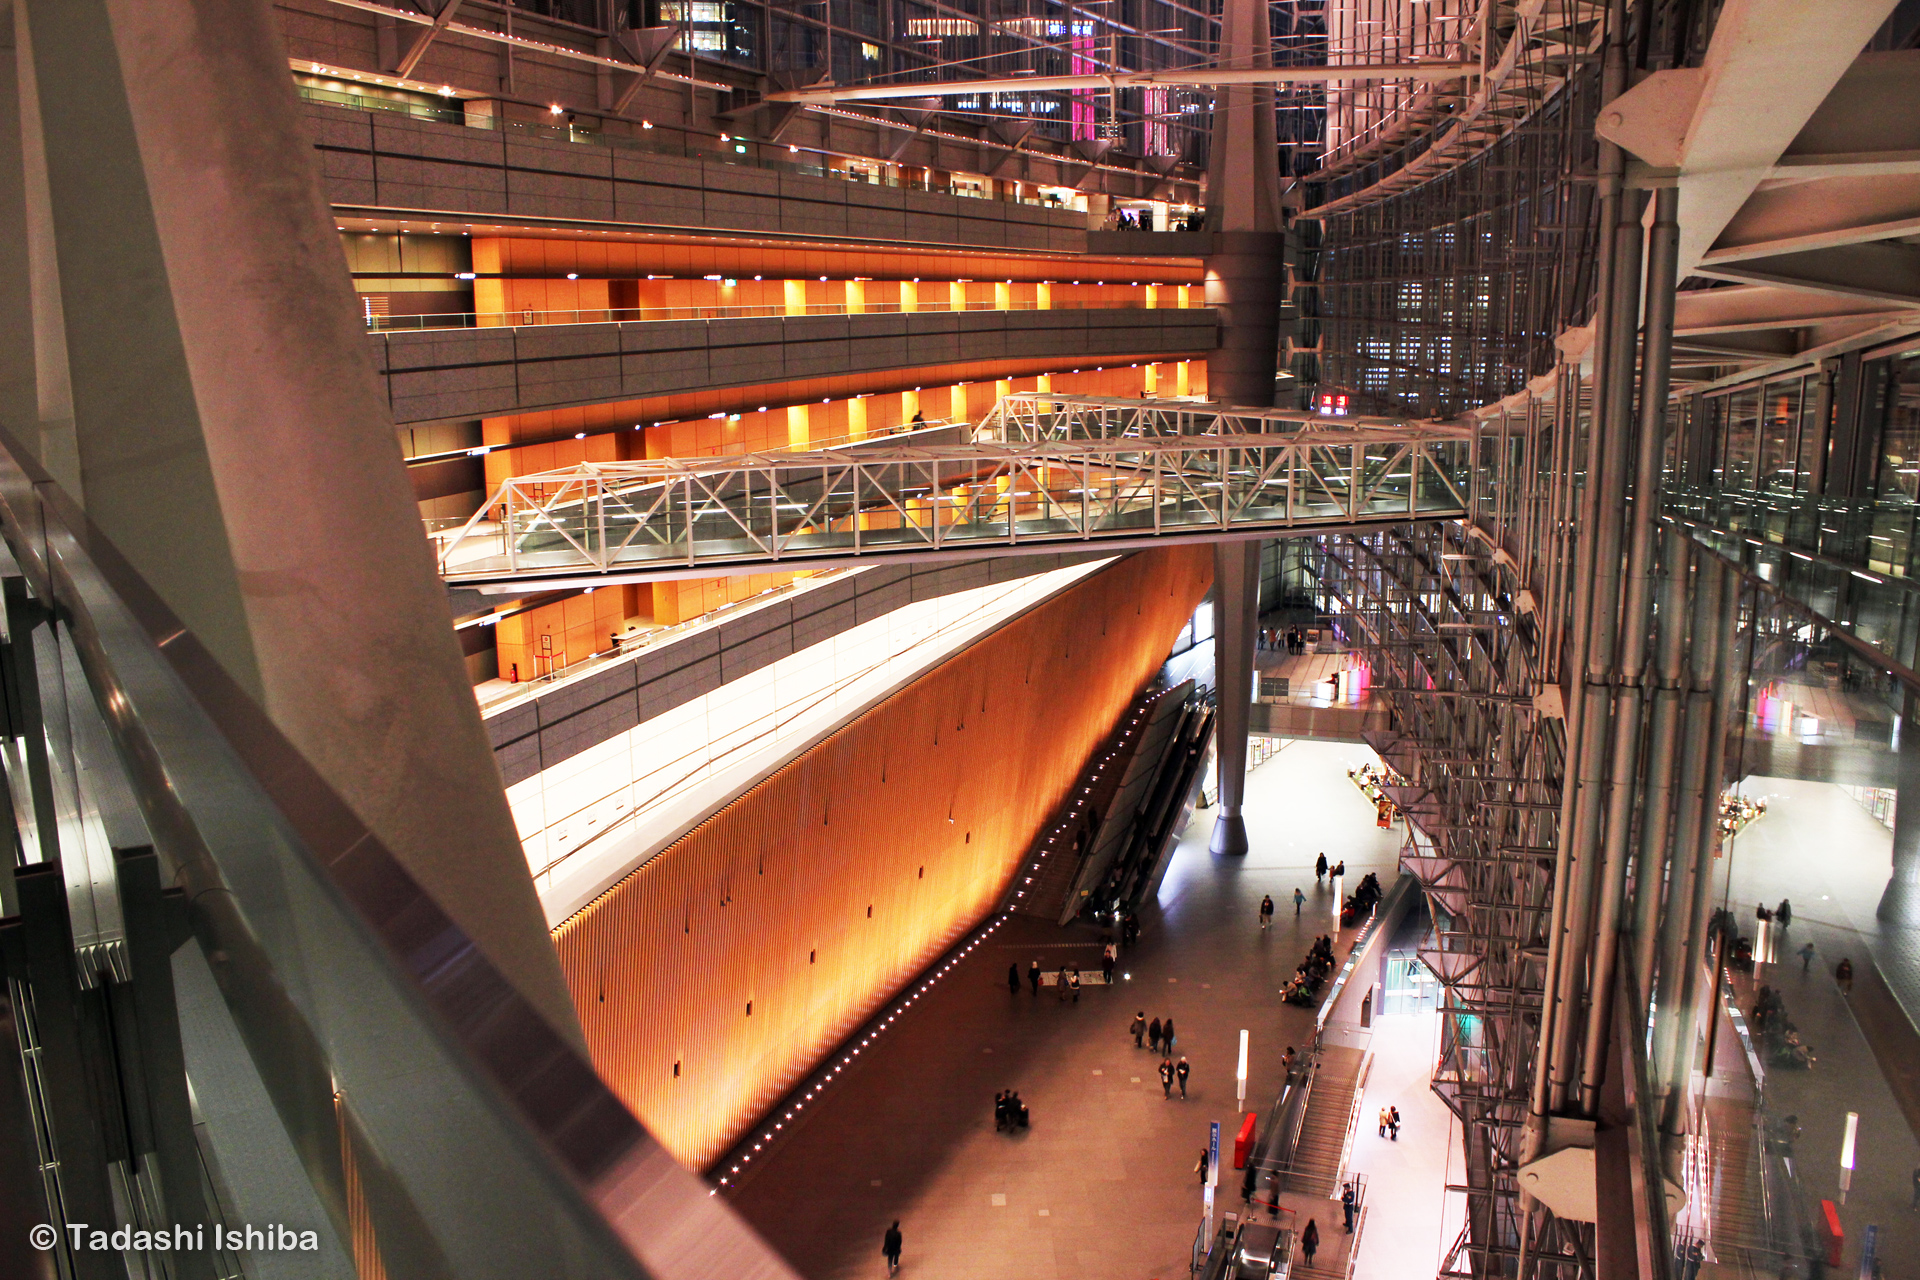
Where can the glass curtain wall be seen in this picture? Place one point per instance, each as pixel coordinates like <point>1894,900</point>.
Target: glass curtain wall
<point>849,41</point>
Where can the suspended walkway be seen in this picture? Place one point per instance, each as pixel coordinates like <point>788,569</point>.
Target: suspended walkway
<point>1041,472</point>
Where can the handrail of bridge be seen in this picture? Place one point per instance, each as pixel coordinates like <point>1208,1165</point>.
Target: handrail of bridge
<point>1043,415</point>
<point>1051,479</point>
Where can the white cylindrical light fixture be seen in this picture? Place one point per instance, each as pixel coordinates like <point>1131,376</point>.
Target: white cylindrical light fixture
<point>1846,1143</point>
<point>1240,1074</point>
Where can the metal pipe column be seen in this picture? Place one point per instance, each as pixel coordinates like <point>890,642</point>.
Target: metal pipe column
<point>1635,618</point>
<point>1663,738</point>
<point>1561,957</point>
<point>1613,419</point>
<point>1729,696</point>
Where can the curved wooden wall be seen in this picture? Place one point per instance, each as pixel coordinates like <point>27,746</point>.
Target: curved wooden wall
<point>713,978</point>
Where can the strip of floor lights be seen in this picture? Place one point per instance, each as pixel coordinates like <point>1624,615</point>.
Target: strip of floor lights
<point>827,1075</point>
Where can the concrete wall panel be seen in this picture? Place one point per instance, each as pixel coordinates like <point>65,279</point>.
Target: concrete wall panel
<point>712,979</point>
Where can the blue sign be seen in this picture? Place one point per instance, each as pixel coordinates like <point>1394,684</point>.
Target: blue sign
<point>1869,1246</point>
<point>1213,1154</point>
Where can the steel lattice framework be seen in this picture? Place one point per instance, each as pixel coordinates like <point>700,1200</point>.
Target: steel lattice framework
<point>1451,618</point>
<point>1108,473</point>
<point>1450,295</point>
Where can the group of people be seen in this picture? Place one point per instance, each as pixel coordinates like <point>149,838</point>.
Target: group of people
<point>1170,1071</point>
<point>1310,973</point>
<point>1356,905</point>
<point>1159,1034</point>
<point>1009,1112</point>
<point>1778,1036</point>
<point>1390,1123</point>
<point>1322,868</point>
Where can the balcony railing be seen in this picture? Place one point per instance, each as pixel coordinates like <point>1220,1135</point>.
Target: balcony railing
<point>640,315</point>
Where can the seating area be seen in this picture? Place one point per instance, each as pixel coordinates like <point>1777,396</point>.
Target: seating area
<point>1356,905</point>
<point>1311,973</point>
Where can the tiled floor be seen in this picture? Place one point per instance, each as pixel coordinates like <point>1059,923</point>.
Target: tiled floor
<point>1103,1185</point>
<point>1403,1235</point>
<point>1819,848</point>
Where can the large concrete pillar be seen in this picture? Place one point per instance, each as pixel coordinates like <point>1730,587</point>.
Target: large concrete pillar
<point>235,447</point>
<point>1900,904</point>
<point>1236,618</point>
<point>1246,276</point>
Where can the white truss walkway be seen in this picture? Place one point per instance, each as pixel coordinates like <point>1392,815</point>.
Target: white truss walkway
<point>1043,474</point>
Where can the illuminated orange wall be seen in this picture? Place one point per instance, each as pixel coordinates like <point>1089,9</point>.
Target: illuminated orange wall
<point>573,629</point>
<point>525,443</point>
<point>750,947</point>
<point>615,259</point>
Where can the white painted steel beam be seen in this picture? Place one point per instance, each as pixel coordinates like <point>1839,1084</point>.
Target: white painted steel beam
<point>1188,76</point>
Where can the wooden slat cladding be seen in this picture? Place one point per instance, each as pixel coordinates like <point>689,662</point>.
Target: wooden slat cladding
<point>714,977</point>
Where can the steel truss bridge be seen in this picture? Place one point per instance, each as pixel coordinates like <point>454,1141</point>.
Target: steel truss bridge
<point>1044,473</point>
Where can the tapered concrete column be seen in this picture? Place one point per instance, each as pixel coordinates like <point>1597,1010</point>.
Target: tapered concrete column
<point>1246,272</point>
<point>1246,282</point>
<point>1236,618</point>
<point>233,443</point>
<point>1900,904</point>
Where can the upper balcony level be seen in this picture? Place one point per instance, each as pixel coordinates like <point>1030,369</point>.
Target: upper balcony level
<point>384,161</point>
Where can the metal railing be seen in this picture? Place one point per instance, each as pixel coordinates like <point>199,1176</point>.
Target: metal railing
<point>718,149</point>
<point>488,1146</point>
<point>646,315</point>
<point>799,510</point>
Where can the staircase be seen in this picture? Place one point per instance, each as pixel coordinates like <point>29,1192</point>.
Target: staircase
<point>1322,1149</point>
<point>1739,1220</point>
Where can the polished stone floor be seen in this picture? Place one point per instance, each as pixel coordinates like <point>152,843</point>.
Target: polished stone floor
<point>1816,846</point>
<point>1103,1184</point>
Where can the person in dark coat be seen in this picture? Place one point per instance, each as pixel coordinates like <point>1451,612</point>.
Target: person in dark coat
<point>1200,1167</point>
<point>1139,1027</point>
<point>890,1246</point>
<point>999,1111</point>
<point>1784,913</point>
<point>1166,1077</point>
<point>1266,911</point>
<point>1346,1205</point>
<point>1310,1240</point>
<point>1153,1034</point>
<point>1166,1034</point>
<point>1033,975</point>
<point>1013,978</point>
<point>1319,868</point>
<point>1182,1071</point>
<point>1393,1123</point>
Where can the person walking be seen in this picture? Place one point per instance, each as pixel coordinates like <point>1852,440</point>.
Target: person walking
<point>1153,1034</point>
<point>1166,1034</point>
<point>1266,912</point>
<point>1383,1122</point>
<point>1319,869</point>
<point>1310,1240</point>
<point>1393,1123</point>
<point>1783,913</point>
<point>1201,1168</point>
<point>1033,975</point>
<point>1139,1027</point>
<point>1181,1071</point>
<point>1073,982</point>
<point>1843,974</point>
<point>890,1247</point>
<point>1346,1205</point>
<point>1013,978</point>
<point>1298,899</point>
<point>1166,1077</point>
<point>1108,958</point>
<point>1806,957</point>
